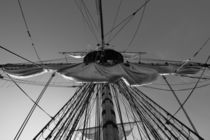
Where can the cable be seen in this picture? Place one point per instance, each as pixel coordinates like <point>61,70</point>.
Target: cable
<point>140,93</point>
<point>126,21</point>
<point>180,104</point>
<point>62,112</point>
<point>24,19</point>
<point>21,56</point>
<point>116,97</point>
<point>183,89</point>
<point>86,16</point>
<point>126,110</point>
<point>116,16</point>
<point>193,89</point>
<point>28,96</point>
<point>194,55</point>
<point>17,136</point>
<point>27,29</point>
<point>137,28</point>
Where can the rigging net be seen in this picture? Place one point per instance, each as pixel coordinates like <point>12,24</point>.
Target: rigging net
<point>137,116</point>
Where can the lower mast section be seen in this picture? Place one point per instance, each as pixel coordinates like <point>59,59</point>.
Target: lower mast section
<point>109,128</point>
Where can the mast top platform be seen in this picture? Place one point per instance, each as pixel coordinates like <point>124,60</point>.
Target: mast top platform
<point>104,57</point>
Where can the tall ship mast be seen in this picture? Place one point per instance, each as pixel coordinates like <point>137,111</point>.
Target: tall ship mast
<point>109,102</point>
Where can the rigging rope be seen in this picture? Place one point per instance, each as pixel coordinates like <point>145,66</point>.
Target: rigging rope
<point>152,116</point>
<point>133,104</point>
<point>180,104</point>
<point>158,113</point>
<point>127,113</point>
<point>141,116</point>
<point>116,16</point>
<point>72,111</point>
<point>116,97</point>
<point>33,108</point>
<point>176,129</point>
<point>87,17</point>
<point>75,95</point>
<point>21,56</point>
<point>138,27</point>
<point>193,89</point>
<point>90,93</point>
<point>28,96</point>
<point>194,55</point>
<point>75,109</point>
<point>87,114</point>
<point>91,19</point>
<point>167,122</point>
<point>125,21</point>
<point>98,111</point>
<point>27,29</point>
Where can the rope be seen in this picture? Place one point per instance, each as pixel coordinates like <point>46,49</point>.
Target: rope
<point>194,55</point>
<point>87,17</point>
<point>61,110</point>
<point>169,123</point>
<point>66,126</point>
<point>27,29</point>
<point>98,111</point>
<point>24,18</point>
<point>175,119</point>
<point>180,104</point>
<point>193,89</point>
<point>127,115</point>
<point>87,105</point>
<point>126,21</point>
<point>149,114</point>
<point>138,27</point>
<point>32,109</point>
<point>116,16</point>
<point>21,57</point>
<point>28,96</point>
<point>119,111</point>
<point>89,92</point>
<point>175,130</point>
<point>132,108</point>
<point>73,109</point>
<point>141,116</point>
<point>133,103</point>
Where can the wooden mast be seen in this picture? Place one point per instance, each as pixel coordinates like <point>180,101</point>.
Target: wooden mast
<point>109,125</point>
<point>101,24</point>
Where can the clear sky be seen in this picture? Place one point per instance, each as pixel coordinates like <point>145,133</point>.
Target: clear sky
<point>171,29</point>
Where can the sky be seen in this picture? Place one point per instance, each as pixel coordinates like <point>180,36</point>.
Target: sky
<point>171,29</point>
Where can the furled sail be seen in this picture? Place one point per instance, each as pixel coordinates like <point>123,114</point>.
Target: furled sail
<point>132,73</point>
<point>23,70</point>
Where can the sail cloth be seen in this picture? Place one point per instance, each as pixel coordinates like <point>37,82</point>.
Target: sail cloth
<point>93,72</point>
<point>23,71</point>
<point>132,73</point>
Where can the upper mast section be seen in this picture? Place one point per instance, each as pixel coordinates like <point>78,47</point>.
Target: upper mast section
<point>101,24</point>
